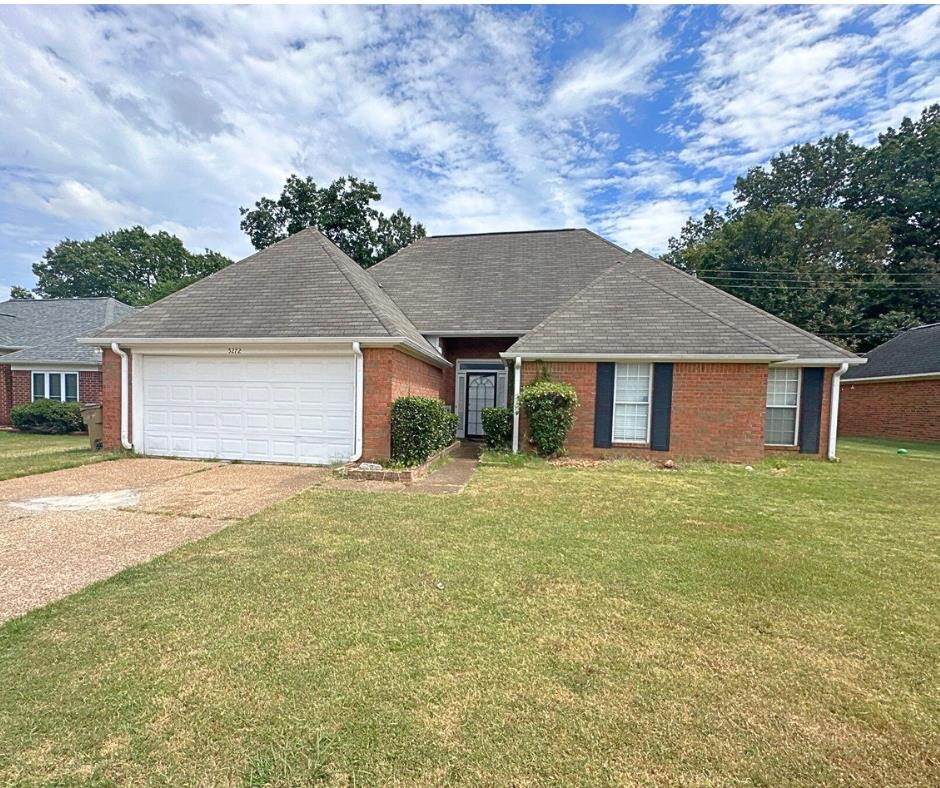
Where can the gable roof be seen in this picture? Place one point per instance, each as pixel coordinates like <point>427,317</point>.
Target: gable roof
<point>301,287</point>
<point>914,352</point>
<point>46,331</point>
<point>492,283</point>
<point>643,306</point>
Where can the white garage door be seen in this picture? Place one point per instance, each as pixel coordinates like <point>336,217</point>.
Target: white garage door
<point>290,409</point>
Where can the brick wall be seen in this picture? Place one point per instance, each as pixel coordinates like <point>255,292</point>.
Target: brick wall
<point>111,398</point>
<point>89,387</point>
<point>22,387</point>
<point>16,389</point>
<point>717,411</point>
<point>388,374</point>
<point>891,409</point>
<point>6,394</point>
<point>455,348</point>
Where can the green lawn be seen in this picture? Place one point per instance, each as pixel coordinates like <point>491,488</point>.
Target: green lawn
<point>22,454</point>
<point>615,625</point>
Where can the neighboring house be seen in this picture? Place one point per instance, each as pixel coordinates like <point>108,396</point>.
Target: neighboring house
<point>296,353</point>
<point>40,357</point>
<point>897,393</point>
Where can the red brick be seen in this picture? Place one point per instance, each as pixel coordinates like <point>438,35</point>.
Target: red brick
<point>455,348</point>
<point>6,394</point>
<point>905,409</point>
<point>22,387</point>
<point>387,375</point>
<point>717,411</point>
<point>111,398</point>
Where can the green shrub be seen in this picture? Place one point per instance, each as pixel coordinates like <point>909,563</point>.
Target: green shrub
<point>549,410</point>
<point>497,427</point>
<point>420,427</point>
<point>48,416</point>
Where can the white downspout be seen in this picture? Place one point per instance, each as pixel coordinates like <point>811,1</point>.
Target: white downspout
<point>834,411</point>
<point>516,388</point>
<point>125,441</point>
<point>359,402</point>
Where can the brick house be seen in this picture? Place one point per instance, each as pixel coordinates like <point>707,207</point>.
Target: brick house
<point>295,354</point>
<point>40,357</point>
<point>896,394</point>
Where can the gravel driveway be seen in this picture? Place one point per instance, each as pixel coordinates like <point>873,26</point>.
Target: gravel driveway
<point>53,542</point>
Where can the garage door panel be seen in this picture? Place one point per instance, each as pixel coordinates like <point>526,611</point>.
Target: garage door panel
<point>291,409</point>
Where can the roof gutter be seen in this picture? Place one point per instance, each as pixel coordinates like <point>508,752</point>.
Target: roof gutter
<point>403,342</point>
<point>834,411</point>
<point>125,440</point>
<point>516,388</point>
<point>360,399</point>
<point>676,357</point>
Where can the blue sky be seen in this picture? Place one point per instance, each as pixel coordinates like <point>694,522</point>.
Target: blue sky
<point>623,119</point>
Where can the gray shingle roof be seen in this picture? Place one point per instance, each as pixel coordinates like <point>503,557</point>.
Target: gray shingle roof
<point>47,330</point>
<point>915,352</point>
<point>496,283</point>
<point>645,306</point>
<point>303,286</point>
<point>585,294</point>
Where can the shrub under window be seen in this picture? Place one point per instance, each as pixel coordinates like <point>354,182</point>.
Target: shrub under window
<point>420,427</point>
<point>497,427</point>
<point>549,410</point>
<point>48,416</point>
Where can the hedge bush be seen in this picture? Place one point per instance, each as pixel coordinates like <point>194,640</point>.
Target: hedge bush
<point>549,410</point>
<point>497,427</point>
<point>420,427</point>
<point>48,416</point>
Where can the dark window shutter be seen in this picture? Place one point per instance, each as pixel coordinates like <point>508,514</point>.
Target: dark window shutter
<point>604,406</point>
<point>661,417</point>
<point>811,398</point>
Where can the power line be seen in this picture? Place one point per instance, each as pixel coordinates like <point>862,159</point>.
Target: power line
<point>832,272</point>
<point>784,286</point>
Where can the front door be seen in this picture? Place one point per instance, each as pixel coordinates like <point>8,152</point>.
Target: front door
<point>481,393</point>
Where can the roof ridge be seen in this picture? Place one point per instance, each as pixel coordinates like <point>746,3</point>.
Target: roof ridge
<point>505,232</point>
<point>767,343</point>
<point>320,237</point>
<point>342,264</point>
<point>570,301</point>
<point>752,307</point>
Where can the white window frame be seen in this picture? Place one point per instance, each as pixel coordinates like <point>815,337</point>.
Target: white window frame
<point>648,403</point>
<point>796,408</point>
<point>45,384</point>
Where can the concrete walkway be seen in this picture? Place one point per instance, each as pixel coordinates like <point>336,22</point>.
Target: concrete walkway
<point>453,477</point>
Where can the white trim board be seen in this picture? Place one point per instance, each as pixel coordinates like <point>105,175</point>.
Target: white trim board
<point>54,367</point>
<point>892,378</point>
<point>651,357</point>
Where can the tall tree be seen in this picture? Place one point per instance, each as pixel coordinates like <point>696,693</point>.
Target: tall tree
<point>130,264</point>
<point>343,212</point>
<point>837,238</point>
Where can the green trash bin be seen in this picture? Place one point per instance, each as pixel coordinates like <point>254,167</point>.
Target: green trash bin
<point>91,415</point>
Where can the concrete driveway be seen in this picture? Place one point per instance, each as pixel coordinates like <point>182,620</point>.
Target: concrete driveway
<point>61,531</point>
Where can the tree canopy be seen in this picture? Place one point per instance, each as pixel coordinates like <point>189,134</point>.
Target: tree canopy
<point>840,239</point>
<point>343,212</point>
<point>130,264</point>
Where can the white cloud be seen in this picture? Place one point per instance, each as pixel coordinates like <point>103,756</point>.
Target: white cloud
<point>470,118</point>
<point>621,69</point>
<point>78,201</point>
